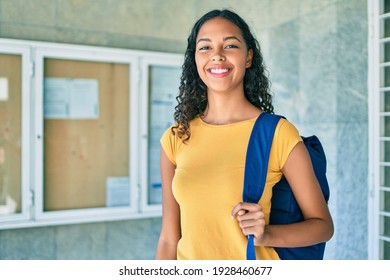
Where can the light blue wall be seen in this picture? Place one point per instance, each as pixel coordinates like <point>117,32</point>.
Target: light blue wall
<point>316,52</point>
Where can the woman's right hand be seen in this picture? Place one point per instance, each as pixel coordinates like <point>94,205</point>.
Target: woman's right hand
<point>251,219</point>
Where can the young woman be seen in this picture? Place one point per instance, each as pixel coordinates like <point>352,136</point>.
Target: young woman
<point>223,90</point>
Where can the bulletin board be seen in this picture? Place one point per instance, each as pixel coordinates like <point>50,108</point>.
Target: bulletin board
<point>10,133</point>
<point>86,138</point>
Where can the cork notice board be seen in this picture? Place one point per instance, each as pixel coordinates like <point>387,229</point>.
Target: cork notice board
<point>10,133</point>
<point>83,149</point>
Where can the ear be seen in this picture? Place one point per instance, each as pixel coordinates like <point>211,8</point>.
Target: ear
<point>249,58</point>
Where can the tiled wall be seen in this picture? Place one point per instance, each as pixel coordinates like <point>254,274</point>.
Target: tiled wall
<point>134,239</point>
<point>316,52</point>
<point>318,65</point>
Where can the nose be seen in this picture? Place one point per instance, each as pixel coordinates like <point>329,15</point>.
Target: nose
<point>217,57</point>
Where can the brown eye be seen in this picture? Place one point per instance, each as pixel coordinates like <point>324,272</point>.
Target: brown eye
<point>204,48</point>
<point>231,47</point>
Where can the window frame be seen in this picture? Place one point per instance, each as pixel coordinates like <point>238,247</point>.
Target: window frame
<point>81,54</point>
<point>146,62</point>
<point>9,47</point>
<point>375,79</point>
<point>34,54</point>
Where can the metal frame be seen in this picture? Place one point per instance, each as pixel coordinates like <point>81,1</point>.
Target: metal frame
<point>146,62</point>
<point>85,54</point>
<point>33,54</point>
<point>375,81</point>
<point>9,47</point>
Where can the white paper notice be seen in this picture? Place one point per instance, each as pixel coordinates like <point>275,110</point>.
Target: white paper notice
<point>118,191</point>
<point>71,98</point>
<point>3,89</point>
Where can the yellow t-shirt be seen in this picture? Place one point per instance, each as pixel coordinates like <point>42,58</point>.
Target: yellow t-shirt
<point>208,183</point>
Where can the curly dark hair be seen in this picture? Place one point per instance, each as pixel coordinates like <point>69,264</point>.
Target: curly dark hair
<point>192,98</point>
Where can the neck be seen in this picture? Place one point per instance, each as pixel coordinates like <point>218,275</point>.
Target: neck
<point>225,109</point>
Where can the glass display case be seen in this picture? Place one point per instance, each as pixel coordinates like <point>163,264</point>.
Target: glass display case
<point>79,132</point>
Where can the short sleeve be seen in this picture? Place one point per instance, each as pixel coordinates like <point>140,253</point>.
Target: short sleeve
<point>168,143</point>
<point>286,138</point>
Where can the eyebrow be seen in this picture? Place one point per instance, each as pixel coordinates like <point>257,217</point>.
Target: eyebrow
<point>231,38</point>
<point>224,39</point>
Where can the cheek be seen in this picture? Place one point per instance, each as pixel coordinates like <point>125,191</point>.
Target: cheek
<point>197,60</point>
<point>199,64</point>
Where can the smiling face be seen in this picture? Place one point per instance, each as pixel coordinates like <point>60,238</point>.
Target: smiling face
<point>221,56</point>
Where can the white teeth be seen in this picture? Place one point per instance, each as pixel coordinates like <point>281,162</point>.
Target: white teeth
<point>218,71</point>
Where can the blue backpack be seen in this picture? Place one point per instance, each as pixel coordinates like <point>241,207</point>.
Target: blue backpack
<point>284,207</point>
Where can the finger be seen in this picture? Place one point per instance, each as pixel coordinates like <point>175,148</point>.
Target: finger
<point>255,231</point>
<point>254,215</point>
<point>252,223</point>
<point>246,207</point>
<point>253,227</point>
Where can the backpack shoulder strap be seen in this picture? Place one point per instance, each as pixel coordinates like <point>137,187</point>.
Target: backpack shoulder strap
<point>256,164</point>
<point>257,155</point>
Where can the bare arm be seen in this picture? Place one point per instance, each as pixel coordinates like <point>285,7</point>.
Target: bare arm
<point>317,225</point>
<point>170,230</point>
